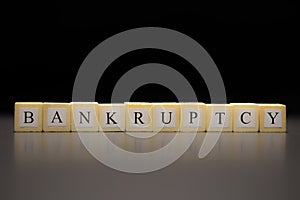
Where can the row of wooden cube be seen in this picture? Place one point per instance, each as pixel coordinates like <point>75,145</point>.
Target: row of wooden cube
<point>130,116</point>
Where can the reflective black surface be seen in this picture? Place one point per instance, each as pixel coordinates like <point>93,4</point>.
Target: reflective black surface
<point>240,166</point>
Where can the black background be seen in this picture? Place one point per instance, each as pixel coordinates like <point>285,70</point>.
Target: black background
<point>255,47</point>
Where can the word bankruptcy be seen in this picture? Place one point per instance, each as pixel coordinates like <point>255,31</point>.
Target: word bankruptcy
<point>134,116</point>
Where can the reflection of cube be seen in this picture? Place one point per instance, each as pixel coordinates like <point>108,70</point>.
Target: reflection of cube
<point>245,117</point>
<point>112,117</point>
<point>84,116</point>
<point>272,118</point>
<point>28,116</point>
<point>166,116</point>
<point>138,116</point>
<point>219,117</point>
<point>57,117</point>
<point>192,117</point>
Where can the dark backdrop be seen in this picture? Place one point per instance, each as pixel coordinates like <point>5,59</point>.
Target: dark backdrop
<point>255,47</point>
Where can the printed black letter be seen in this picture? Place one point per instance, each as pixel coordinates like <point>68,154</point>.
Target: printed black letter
<point>242,117</point>
<point>163,118</point>
<point>136,117</point>
<point>273,117</point>
<point>193,115</point>
<point>30,116</point>
<point>87,119</point>
<point>109,118</point>
<point>56,116</point>
<point>220,116</point>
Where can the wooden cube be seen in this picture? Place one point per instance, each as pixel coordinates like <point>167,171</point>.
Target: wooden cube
<point>28,117</point>
<point>138,116</point>
<point>219,117</point>
<point>112,117</point>
<point>57,117</point>
<point>245,117</point>
<point>84,116</point>
<point>192,117</point>
<point>272,118</point>
<point>166,117</point>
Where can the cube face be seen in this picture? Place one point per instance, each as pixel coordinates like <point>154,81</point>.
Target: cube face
<point>28,117</point>
<point>57,117</point>
<point>219,117</point>
<point>112,117</point>
<point>245,117</point>
<point>84,116</point>
<point>272,118</point>
<point>192,117</point>
<point>166,117</point>
<point>138,116</point>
